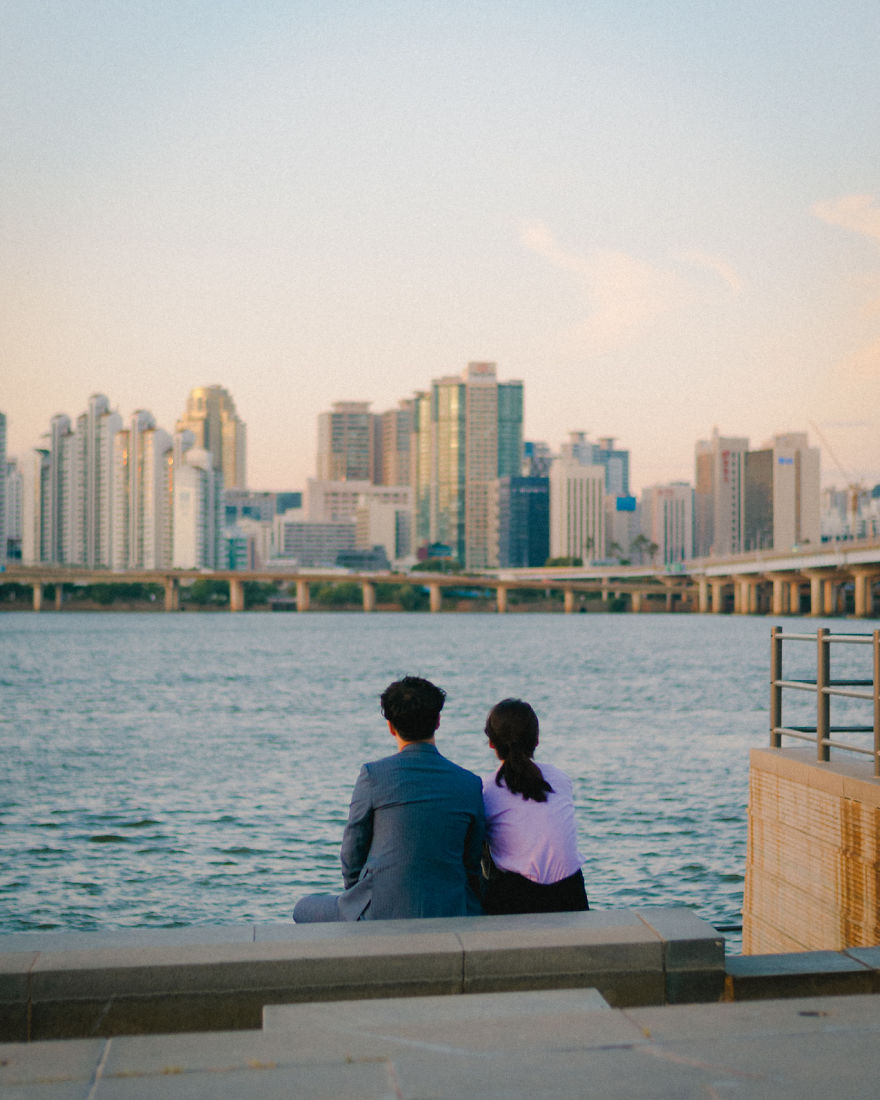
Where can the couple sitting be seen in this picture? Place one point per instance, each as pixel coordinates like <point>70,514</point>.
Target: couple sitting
<point>417,823</point>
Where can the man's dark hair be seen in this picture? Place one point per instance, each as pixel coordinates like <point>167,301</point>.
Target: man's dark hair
<point>412,706</point>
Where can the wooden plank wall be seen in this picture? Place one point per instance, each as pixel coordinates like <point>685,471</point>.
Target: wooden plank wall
<point>813,860</point>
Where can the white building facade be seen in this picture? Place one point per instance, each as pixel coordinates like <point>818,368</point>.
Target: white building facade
<point>577,510</point>
<point>667,521</point>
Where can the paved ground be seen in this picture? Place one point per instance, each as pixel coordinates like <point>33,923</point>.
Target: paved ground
<point>544,1044</point>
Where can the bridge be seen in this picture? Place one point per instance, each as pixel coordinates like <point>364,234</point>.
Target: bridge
<point>834,578</point>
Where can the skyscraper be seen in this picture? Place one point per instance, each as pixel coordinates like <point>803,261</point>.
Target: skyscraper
<point>346,441</point>
<point>392,458</point>
<point>718,502</point>
<point>91,498</point>
<point>523,521</point>
<point>56,500</point>
<point>197,509</point>
<point>211,417</point>
<point>34,468</point>
<point>466,434</point>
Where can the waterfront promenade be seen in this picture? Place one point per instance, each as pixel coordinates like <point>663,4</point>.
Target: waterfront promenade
<point>831,579</point>
<point>628,1004</point>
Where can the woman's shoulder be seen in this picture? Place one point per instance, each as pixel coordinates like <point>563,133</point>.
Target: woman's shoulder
<point>553,774</point>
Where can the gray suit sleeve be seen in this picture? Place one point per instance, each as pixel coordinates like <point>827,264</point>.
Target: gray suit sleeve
<point>473,845</point>
<point>358,835</point>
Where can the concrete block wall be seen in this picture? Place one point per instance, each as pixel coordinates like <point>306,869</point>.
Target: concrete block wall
<point>82,986</point>
<point>813,860</point>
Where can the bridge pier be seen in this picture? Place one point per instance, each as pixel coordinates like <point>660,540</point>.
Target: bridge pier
<point>568,600</point>
<point>435,596</point>
<point>702,596</point>
<point>236,594</point>
<point>864,596</point>
<point>172,594</point>
<point>368,590</point>
<point>501,598</point>
<point>59,596</point>
<point>717,597</point>
<point>776,602</point>
<point>302,595</point>
<point>38,596</point>
<point>822,595</point>
<point>636,602</point>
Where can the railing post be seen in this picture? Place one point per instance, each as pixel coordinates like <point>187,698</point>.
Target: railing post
<point>823,699</point>
<point>775,689</point>
<point>877,703</point>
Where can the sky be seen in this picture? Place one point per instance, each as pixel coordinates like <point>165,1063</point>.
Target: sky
<point>663,217</point>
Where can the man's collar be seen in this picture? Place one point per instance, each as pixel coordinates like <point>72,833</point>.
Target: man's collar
<point>422,745</point>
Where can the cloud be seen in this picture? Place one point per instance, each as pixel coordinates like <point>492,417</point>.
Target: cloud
<point>625,294</point>
<point>858,213</point>
<point>717,266</point>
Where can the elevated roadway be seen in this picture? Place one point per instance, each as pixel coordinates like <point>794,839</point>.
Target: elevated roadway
<point>831,579</point>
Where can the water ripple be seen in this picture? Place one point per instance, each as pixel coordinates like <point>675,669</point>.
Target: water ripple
<point>196,769</point>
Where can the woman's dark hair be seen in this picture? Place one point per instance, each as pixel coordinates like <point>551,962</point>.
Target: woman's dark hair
<point>512,728</point>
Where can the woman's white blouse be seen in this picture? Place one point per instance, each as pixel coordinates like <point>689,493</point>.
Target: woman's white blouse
<point>536,839</point>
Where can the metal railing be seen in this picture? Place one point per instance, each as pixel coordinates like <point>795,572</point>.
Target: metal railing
<point>825,688</point>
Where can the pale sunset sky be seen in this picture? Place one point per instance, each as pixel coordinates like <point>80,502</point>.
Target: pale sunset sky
<point>661,216</point>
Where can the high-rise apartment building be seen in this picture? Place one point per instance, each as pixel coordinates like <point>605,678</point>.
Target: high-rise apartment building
<point>198,508</point>
<point>91,497</point>
<point>211,417</point>
<point>346,442</point>
<point>141,509</point>
<point>14,487</point>
<point>56,502</point>
<point>35,468</point>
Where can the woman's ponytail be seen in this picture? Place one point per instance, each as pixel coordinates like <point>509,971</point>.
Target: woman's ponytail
<point>512,729</point>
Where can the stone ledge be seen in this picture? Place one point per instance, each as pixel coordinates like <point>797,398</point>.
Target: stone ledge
<point>803,974</point>
<point>88,985</point>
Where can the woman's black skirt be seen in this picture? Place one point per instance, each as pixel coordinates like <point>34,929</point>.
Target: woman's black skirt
<point>508,892</point>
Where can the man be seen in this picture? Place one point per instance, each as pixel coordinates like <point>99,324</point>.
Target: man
<point>415,829</point>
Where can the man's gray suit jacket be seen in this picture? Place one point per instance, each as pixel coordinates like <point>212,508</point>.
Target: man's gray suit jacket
<point>414,838</point>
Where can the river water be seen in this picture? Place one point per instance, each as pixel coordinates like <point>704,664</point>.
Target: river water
<point>165,770</point>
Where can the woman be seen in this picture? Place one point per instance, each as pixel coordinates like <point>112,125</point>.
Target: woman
<point>530,824</point>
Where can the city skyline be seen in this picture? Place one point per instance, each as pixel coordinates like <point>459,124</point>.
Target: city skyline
<point>660,221</point>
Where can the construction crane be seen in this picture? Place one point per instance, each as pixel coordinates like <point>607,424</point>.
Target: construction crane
<point>854,489</point>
